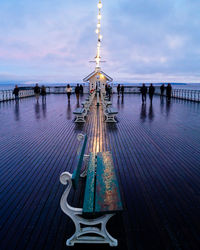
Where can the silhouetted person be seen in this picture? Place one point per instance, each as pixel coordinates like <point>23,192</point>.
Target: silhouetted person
<point>106,88</point>
<point>143,92</point>
<point>37,91</point>
<point>81,89</point>
<point>122,90</point>
<point>109,91</point>
<point>43,93</point>
<point>151,92</point>
<point>77,92</point>
<point>162,89</point>
<point>68,91</point>
<point>16,93</point>
<point>168,91</point>
<point>118,89</point>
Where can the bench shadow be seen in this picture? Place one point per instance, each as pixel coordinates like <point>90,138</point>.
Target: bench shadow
<point>111,126</point>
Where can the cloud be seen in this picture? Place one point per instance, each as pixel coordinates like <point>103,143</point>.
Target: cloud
<point>141,39</point>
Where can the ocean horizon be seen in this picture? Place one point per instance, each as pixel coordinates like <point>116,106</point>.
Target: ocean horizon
<point>192,86</point>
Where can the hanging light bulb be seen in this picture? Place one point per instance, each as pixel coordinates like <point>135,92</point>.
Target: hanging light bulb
<point>97,31</point>
<point>99,17</point>
<point>99,5</point>
<point>100,37</point>
<point>98,25</point>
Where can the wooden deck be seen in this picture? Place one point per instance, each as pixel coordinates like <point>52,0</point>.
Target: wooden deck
<point>156,152</point>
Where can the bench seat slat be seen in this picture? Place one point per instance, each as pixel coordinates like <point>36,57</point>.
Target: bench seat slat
<point>88,204</point>
<point>112,111</point>
<point>78,111</point>
<point>107,195</point>
<point>79,162</point>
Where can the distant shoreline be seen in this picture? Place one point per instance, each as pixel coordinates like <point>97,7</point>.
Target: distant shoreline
<point>8,86</point>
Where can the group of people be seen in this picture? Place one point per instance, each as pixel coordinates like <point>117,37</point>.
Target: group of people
<point>40,91</point>
<point>152,91</point>
<point>78,91</point>
<point>37,91</point>
<point>108,90</point>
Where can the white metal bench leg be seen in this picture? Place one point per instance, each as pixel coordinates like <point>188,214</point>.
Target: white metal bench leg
<point>80,118</point>
<point>86,230</point>
<point>110,118</point>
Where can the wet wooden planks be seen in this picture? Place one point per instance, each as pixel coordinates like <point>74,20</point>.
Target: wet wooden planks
<point>156,156</point>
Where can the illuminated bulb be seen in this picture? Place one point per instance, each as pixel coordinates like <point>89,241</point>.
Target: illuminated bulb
<point>99,5</point>
<point>100,37</point>
<point>98,25</point>
<point>99,17</point>
<point>97,60</point>
<point>97,31</point>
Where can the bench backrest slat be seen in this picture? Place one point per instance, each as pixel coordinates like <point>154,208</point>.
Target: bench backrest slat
<point>107,195</point>
<point>88,205</point>
<point>79,162</point>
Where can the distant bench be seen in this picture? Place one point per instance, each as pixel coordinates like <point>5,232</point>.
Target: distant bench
<point>80,114</point>
<point>101,199</point>
<point>110,114</point>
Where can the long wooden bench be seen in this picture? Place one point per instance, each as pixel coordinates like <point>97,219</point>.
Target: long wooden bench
<point>101,199</point>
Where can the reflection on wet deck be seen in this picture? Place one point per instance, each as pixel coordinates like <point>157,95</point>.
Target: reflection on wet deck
<point>156,152</point>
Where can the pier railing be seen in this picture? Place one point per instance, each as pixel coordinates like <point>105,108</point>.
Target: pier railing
<point>7,95</point>
<point>184,94</point>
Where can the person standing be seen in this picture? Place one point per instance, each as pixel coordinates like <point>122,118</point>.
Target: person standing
<point>106,88</point>
<point>151,92</point>
<point>162,89</point>
<point>122,90</point>
<point>16,93</point>
<point>109,92</point>
<point>168,92</point>
<point>77,92</point>
<point>118,90</point>
<point>43,93</point>
<point>68,91</point>
<point>144,92</point>
<point>81,89</point>
<point>37,92</point>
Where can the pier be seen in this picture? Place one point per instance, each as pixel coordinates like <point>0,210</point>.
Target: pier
<point>156,153</point>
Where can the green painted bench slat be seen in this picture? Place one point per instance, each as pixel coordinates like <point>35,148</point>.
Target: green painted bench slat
<point>79,162</point>
<point>107,195</point>
<point>88,205</point>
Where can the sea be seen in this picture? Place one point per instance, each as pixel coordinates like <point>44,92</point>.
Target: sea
<point>191,86</point>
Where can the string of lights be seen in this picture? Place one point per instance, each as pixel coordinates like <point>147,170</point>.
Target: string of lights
<point>99,36</point>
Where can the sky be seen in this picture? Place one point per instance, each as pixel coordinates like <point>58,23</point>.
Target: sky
<point>143,40</point>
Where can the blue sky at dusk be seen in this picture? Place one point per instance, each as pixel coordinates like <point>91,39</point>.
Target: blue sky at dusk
<point>143,40</point>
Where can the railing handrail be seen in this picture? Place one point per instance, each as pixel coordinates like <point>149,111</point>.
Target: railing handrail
<point>185,94</point>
